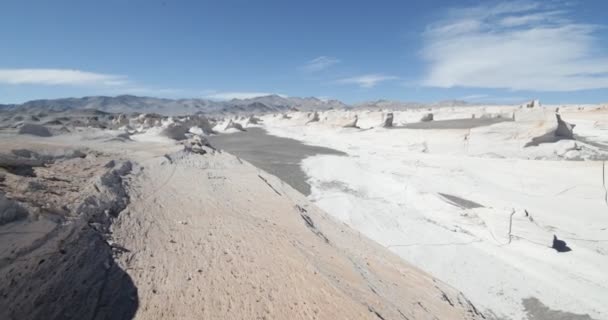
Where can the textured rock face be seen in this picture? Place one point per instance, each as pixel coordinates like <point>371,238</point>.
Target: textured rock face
<point>427,117</point>
<point>388,121</point>
<point>58,263</point>
<point>121,120</point>
<point>564,129</point>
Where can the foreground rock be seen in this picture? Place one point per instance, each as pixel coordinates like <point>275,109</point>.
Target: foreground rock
<point>55,259</point>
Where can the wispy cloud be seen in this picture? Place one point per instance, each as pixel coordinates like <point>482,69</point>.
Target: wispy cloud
<point>319,64</point>
<point>367,81</point>
<point>238,95</point>
<point>474,97</point>
<point>138,90</point>
<point>59,77</point>
<point>520,45</point>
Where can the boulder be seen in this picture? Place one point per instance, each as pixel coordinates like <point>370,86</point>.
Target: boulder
<point>560,245</point>
<point>427,117</point>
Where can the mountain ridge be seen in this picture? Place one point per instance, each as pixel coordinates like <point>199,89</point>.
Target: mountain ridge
<point>165,106</point>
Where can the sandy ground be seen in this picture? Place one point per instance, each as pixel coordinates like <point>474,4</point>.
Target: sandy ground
<point>200,237</point>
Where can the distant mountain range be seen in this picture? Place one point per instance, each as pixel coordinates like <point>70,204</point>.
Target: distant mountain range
<point>258,105</point>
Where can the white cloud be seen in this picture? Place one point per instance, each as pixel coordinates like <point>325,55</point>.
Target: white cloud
<point>529,19</point>
<point>366,81</point>
<point>515,45</point>
<point>238,95</point>
<point>319,64</point>
<point>59,77</point>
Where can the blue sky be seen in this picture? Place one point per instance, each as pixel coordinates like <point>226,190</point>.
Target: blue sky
<point>482,51</point>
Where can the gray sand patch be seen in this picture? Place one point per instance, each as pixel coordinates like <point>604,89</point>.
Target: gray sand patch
<point>455,123</point>
<point>279,156</point>
<point>536,310</point>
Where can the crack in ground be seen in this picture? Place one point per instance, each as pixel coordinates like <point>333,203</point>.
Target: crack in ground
<point>310,224</point>
<point>376,313</point>
<point>268,183</point>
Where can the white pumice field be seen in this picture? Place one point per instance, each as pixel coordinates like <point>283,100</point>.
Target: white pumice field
<point>507,211</point>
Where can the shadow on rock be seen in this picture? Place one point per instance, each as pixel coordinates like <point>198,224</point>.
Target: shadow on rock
<point>69,274</point>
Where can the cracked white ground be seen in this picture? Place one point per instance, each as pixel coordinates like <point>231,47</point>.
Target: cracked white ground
<point>389,185</point>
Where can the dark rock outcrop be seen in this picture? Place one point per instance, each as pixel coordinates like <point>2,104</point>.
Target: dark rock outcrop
<point>427,117</point>
<point>564,129</point>
<point>388,121</point>
<point>35,130</point>
<point>560,245</point>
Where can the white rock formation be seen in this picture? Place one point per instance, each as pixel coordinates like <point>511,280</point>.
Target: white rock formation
<point>352,124</point>
<point>564,129</point>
